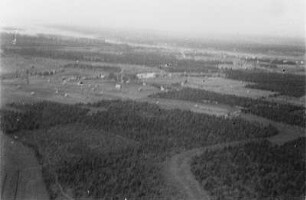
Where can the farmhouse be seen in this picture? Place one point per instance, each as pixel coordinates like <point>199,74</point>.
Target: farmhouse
<point>146,75</point>
<point>166,65</point>
<point>118,86</point>
<point>102,76</point>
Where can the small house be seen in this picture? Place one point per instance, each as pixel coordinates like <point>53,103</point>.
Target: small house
<point>118,86</point>
<point>146,75</point>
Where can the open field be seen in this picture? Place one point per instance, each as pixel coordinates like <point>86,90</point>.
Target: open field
<point>12,63</point>
<point>284,84</point>
<point>286,113</point>
<point>226,86</point>
<point>71,92</point>
<point>63,85</point>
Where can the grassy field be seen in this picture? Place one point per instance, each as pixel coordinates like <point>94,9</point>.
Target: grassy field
<point>286,113</point>
<point>227,86</point>
<point>62,86</point>
<point>284,84</point>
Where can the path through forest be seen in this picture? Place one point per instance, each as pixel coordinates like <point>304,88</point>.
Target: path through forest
<point>178,169</point>
<point>21,173</point>
<point>21,176</point>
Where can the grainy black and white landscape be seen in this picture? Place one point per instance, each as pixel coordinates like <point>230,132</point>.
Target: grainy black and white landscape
<point>90,112</point>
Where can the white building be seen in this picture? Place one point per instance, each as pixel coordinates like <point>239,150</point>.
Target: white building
<point>146,75</point>
<point>118,86</point>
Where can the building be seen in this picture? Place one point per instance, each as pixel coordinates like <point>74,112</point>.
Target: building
<point>118,86</point>
<point>146,75</point>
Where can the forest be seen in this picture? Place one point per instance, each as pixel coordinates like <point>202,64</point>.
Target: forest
<point>287,113</point>
<point>110,69</point>
<point>39,115</point>
<point>257,170</point>
<point>118,152</point>
<point>284,84</point>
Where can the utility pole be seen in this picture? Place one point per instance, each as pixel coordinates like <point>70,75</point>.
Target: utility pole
<point>27,77</point>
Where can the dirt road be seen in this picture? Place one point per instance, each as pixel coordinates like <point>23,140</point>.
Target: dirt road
<point>21,173</point>
<point>285,132</point>
<point>178,169</point>
<point>21,177</point>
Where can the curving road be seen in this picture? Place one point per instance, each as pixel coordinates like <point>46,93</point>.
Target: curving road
<point>178,169</point>
<point>21,173</point>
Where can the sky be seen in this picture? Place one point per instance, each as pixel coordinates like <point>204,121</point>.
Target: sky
<point>285,18</point>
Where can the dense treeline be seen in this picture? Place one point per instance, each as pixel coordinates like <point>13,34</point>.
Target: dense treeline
<point>117,175</point>
<point>40,115</point>
<point>285,84</point>
<point>268,65</point>
<point>94,164</point>
<point>274,62</point>
<point>281,62</point>
<point>254,171</point>
<point>287,113</point>
<point>93,67</point>
<point>145,122</point>
<point>117,151</point>
<point>195,66</point>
